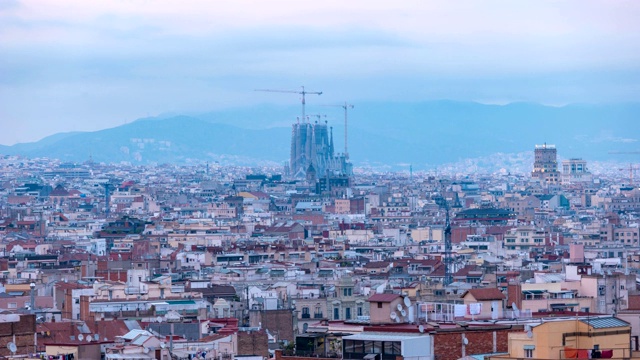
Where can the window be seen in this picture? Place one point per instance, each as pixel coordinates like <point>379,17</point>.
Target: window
<point>368,347</point>
<point>347,313</point>
<point>392,348</point>
<point>354,346</point>
<point>601,290</point>
<point>528,353</point>
<point>348,346</point>
<point>359,310</point>
<point>336,314</point>
<point>379,305</point>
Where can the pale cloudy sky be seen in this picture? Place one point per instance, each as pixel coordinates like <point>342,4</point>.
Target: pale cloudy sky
<point>70,65</point>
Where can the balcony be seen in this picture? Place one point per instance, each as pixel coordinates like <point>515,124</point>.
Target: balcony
<point>318,316</point>
<point>306,316</point>
<point>132,290</point>
<point>127,314</point>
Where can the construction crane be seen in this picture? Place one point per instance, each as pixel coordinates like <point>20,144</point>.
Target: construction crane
<point>303,92</point>
<point>346,108</point>
<point>631,167</point>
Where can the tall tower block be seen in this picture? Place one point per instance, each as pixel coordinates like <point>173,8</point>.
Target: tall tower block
<point>545,165</point>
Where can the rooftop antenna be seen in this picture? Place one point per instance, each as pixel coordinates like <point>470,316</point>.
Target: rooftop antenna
<point>302,92</point>
<point>447,244</point>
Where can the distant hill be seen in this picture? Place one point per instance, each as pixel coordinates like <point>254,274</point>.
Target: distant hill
<point>178,139</point>
<point>425,134</point>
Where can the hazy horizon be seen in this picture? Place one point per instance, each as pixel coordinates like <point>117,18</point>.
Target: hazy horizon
<point>72,65</point>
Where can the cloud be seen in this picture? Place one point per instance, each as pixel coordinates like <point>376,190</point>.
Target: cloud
<point>68,59</point>
<point>624,140</point>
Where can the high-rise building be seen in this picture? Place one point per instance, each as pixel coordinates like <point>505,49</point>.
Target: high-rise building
<point>312,147</point>
<point>545,165</point>
<point>575,171</point>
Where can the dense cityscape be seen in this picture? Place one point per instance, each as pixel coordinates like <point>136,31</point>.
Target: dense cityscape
<point>317,259</point>
<point>328,180</point>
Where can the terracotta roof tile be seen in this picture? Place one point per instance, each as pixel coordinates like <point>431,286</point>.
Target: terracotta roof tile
<point>383,298</point>
<point>485,294</point>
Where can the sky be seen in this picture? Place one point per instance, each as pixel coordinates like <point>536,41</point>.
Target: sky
<point>77,65</point>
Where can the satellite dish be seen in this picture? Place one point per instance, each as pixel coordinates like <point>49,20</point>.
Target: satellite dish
<point>529,334</point>
<point>80,337</point>
<point>393,315</point>
<point>399,307</point>
<point>12,347</point>
<point>398,320</point>
<point>421,329</point>
<point>89,338</point>
<point>465,341</point>
<point>96,337</point>
<point>407,301</point>
<point>159,319</point>
<point>403,312</point>
<point>146,350</point>
<point>163,345</point>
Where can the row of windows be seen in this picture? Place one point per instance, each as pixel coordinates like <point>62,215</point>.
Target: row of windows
<point>347,313</point>
<point>372,347</point>
<point>305,310</point>
<point>524,240</point>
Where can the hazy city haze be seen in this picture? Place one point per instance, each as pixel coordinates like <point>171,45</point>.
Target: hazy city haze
<point>72,65</point>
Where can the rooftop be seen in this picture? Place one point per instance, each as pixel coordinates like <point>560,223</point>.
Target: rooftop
<point>604,323</point>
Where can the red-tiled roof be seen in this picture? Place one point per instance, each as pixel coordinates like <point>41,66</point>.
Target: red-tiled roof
<point>212,337</point>
<point>383,297</point>
<point>376,264</point>
<point>485,294</point>
<point>108,329</point>
<point>59,191</point>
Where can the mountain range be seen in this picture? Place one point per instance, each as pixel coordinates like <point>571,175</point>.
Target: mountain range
<point>424,134</point>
